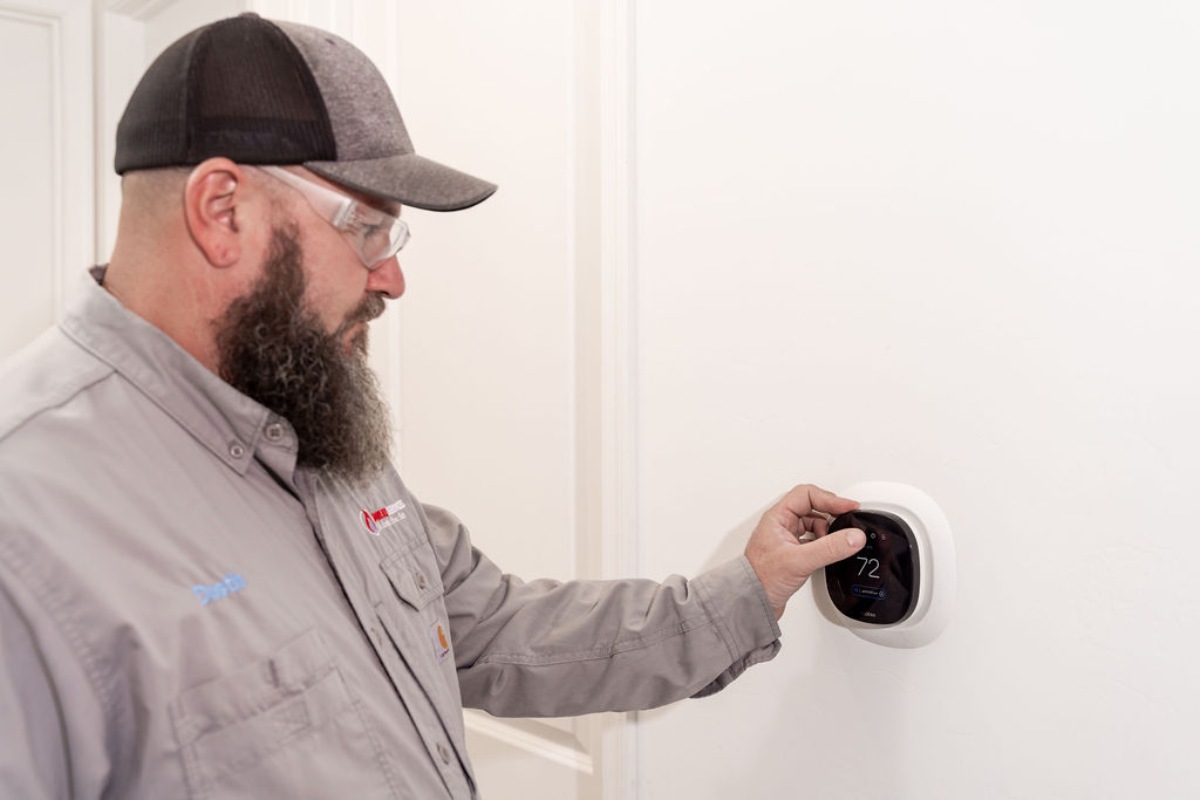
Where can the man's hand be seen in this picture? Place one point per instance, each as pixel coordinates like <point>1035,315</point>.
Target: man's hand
<point>781,560</point>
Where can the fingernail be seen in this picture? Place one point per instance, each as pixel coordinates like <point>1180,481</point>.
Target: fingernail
<point>855,537</point>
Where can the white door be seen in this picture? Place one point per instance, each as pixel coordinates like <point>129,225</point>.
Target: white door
<point>46,136</point>
<point>59,197</point>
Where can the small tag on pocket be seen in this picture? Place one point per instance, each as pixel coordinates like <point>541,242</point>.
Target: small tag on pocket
<point>441,641</point>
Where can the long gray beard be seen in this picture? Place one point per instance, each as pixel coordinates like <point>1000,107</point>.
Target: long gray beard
<point>274,350</point>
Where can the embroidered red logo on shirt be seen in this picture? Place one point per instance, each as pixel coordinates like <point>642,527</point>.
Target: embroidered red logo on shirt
<point>375,521</point>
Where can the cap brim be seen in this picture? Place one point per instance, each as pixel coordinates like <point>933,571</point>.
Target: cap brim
<point>410,180</point>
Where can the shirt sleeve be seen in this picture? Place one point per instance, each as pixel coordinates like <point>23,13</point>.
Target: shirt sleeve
<point>550,648</point>
<point>52,725</point>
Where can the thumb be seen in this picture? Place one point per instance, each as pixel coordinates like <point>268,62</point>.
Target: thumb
<point>828,549</point>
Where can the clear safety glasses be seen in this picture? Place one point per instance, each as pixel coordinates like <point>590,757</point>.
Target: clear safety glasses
<point>375,235</point>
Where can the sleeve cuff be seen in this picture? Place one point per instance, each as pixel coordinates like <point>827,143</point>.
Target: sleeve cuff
<point>735,600</point>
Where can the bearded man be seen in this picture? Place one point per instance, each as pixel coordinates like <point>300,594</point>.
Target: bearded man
<point>212,581</point>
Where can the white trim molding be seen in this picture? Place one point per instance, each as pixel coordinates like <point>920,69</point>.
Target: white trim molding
<point>605,281</point>
<point>618,349</point>
<point>540,739</point>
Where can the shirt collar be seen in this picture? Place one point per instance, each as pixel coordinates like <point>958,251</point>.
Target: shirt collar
<point>230,424</point>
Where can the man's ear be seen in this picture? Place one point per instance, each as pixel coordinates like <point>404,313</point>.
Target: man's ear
<point>213,199</point>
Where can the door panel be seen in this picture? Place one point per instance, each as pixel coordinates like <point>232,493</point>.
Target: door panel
<point>27,204</point>
<point>45,197</point>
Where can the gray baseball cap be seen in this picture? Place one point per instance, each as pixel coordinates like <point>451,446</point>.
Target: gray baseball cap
<point>263,92</point>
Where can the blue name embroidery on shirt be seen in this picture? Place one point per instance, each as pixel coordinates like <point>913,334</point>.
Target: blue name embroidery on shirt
<point>223,588</point>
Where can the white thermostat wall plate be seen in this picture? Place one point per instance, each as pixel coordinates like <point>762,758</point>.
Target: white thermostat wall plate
<point>899,590</point>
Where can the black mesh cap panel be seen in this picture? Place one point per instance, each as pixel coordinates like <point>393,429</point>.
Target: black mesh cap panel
<point>237,88</point>
<point>262,92</point>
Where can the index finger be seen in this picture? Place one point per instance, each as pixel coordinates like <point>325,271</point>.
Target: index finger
<point>804,499</point>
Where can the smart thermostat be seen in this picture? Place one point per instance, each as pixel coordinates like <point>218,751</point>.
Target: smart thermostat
<point>898,590</point>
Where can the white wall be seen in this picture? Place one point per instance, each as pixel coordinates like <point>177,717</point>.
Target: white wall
<point>953,244</point>
<point>957,245</point>
<point>948,244</point>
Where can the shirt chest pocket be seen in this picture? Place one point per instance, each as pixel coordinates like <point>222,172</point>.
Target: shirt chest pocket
<point>413,613</point>
<point>413,575</point>
<point>286,726</point>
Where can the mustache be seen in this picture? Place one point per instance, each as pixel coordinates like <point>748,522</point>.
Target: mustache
<point>369,309</point>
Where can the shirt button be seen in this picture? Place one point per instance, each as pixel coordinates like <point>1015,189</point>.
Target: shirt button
<point>422,583</point>
<point>274,432</point>
<point>236,449</point>
<point>443,753</point>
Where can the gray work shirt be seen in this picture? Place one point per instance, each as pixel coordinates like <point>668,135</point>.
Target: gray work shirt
<point>185,613</point>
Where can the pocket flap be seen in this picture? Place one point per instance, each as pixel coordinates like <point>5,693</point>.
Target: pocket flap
<point>414,575</point>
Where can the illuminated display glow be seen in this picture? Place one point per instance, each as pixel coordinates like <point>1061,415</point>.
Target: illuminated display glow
<point>877,585</point>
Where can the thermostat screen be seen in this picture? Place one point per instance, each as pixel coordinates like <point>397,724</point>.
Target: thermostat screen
<point>878,584</point>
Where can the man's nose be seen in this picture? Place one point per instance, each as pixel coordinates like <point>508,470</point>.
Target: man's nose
<point>387,278</point>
